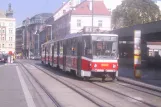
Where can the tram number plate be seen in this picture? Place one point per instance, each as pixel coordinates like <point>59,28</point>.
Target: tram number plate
<point>105,65</point>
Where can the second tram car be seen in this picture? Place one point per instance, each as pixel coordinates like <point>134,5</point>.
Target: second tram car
<point>88,55</point>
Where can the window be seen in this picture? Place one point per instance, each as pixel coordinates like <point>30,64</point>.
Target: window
<point>64,11</point>
<point>11,45</point>
<point>3,31</point>
<point>99,23</point>
<point>2,38</point>
<point>10,24</point>
<point>0,45</point>
<point>78,23</point>
<point>10,31</point>
<point>10,38</point>
<point>3,45</point>
<point>87,47</point>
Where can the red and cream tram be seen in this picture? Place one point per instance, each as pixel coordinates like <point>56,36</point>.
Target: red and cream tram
<point>88,55</point>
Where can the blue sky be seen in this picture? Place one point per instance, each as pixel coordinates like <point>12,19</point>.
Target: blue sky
<point>28,8</point>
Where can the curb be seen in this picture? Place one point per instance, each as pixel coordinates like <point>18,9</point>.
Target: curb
<point>140,84</point>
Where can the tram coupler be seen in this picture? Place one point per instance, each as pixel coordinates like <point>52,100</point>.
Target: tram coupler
<point>104,76</point>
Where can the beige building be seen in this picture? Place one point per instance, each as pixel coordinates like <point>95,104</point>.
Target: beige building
<point>7,31</point>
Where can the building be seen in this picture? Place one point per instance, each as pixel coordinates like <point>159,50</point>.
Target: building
<point>7,31</point>
<point>81,16</point>
<point>65,8</point>
<point>30,36</point>
<point>19,40</point>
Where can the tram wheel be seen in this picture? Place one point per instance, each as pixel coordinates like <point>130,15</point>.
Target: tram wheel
<point>103,79</point>
<point>86,78</point>
<point>114,79</point>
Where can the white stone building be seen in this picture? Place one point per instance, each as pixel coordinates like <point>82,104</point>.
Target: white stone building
<point>80,16</point>
<point>7,31</point>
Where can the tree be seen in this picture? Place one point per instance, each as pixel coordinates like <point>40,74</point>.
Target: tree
<point>132,12</point>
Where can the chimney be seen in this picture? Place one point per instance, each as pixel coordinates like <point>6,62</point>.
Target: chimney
<point>63,3</point>
<point>90,5</point>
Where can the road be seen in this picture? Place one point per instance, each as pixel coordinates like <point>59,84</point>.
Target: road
<point>28,83</point>
<point>16,90</point>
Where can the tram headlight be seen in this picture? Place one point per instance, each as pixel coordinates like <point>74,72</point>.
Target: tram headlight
<point>114,66</point>
<point>95,65</point>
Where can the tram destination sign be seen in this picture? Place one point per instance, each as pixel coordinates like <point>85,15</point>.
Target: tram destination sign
<point>104,38</point>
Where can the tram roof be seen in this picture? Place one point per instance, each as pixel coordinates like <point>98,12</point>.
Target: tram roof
<point>88,34</point>
<point>80,35</point>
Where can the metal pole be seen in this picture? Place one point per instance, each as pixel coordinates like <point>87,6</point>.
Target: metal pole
<point>51,33</point>
<point>38,43</point>
<point>29,43</point>
<point>92,15</point>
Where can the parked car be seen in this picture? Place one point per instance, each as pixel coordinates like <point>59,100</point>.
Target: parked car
<point>3,58</point>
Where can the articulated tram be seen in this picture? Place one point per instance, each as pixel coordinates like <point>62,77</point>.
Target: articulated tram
<point>88,55</point>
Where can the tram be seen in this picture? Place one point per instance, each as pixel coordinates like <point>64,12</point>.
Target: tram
<point>86,54</point>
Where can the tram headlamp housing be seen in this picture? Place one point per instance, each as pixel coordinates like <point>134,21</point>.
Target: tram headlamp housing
<point>114,65</point>
<point>95,65</point>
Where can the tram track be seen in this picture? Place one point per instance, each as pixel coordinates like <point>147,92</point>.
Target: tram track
<point>57,104</point>
<point>98,86</point>
<point>144,91</point>
<point>106,88</point>
<point>89,96</point>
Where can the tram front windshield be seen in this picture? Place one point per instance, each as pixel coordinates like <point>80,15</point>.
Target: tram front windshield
<point>105,47</point>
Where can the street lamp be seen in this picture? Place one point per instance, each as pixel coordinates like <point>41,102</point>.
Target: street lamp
<point>92,15</point>
<point>38,41</point>
<point>51,31</point>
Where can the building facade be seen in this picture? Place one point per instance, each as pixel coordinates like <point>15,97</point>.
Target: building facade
<point>82,16</point>
<point>30,28</point>
<point>7,31</point>
<point>19,40</point>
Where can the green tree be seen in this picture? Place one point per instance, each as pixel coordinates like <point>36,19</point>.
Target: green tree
<point>132,12</point>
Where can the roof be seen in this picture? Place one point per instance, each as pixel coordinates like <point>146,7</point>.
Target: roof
<point>61,6</point>
<point>99,8</point>
<point>148,28</point>
<point>42,15</point>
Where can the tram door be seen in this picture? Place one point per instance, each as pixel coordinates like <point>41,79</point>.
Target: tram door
<point>79,54</point>
<point>45,55</point>
<point>52,55</point>
<point>64,54</point>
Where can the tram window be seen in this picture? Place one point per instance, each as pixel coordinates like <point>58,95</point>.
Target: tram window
<point>55,48</point>
<point>87,46</point>
<point>61,48</point>
<point>74,47</point>
<point>69,47</point>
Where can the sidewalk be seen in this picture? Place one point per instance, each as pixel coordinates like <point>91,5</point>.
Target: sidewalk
<point>149,76</point>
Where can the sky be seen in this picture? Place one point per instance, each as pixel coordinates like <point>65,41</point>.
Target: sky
<point>28,8</point>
